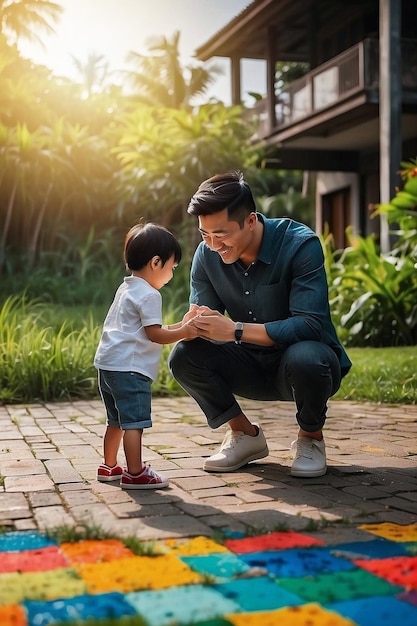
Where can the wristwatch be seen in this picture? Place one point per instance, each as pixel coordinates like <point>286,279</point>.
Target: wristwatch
<point>238,332</point>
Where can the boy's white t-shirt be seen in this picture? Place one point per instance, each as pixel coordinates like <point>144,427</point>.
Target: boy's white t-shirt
<point>124,345</point>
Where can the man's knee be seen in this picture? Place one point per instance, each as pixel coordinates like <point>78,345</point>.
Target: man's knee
<point>176,357</point>
<point>311,362</point>
<point>306,354</point>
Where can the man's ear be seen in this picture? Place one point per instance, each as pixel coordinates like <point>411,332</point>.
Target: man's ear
<point>252,219</point>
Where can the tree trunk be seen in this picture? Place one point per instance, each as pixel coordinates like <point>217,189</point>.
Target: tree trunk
<point>36,231</point>
<point>9,213</point>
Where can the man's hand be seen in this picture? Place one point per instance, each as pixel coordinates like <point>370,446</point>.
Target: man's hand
<point>213,325</point>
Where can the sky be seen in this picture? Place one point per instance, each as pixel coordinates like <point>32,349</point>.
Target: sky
<point>114,27</point>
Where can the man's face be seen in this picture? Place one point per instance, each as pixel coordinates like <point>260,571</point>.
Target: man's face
<point>226,237</point>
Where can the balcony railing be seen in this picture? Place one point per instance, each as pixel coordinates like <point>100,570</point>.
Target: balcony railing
<point>352,71</point>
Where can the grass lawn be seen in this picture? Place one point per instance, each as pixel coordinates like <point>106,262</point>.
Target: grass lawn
<point>47,354</point>
<point>387,375</point>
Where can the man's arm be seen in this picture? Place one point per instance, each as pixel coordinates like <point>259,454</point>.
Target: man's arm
<point>215,326</point>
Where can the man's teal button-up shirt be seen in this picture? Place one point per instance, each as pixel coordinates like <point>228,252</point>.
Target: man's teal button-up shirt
<point>285,288</point>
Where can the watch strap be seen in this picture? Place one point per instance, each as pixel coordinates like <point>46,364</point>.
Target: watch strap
<point>238,332</point>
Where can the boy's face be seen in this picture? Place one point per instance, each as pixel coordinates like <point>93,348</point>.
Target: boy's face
<point>226,237</point>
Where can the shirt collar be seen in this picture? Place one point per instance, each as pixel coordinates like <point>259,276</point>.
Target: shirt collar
<point>265,251</point>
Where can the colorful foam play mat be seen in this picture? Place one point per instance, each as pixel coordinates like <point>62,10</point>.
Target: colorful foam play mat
<point>278,579</point>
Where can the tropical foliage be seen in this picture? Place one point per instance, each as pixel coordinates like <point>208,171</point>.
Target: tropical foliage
<point>81,161</point>
<point>86,157</point>
<point>25,19</point>
<point>159,80</point>
<point>373,295</point>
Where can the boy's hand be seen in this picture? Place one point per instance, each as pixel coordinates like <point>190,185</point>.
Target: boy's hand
<point>193,311</point>
<point>191,332</point>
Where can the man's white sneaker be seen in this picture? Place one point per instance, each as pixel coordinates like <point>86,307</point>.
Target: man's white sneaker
<point>310,458</point>
<point>236,451</point>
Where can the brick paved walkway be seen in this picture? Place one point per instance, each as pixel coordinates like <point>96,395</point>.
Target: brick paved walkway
<point>49,455</point>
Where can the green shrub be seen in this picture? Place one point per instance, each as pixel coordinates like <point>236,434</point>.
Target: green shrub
<point>39,362</point>
<point>373,296</point>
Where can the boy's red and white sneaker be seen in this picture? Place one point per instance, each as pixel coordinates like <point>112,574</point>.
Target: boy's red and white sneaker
<point>106,474</point>
<point>147,479</point>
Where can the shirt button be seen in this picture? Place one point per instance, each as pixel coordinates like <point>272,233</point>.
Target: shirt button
<point>250,312</point>
<point>247,293</point>
<point>246,274</point>
<point>254,319</point>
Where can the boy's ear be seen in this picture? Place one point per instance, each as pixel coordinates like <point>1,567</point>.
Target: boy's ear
<point>155,261</point>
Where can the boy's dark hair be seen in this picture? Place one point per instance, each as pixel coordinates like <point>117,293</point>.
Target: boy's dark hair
<point>144,241</point>
<point>224,191</point>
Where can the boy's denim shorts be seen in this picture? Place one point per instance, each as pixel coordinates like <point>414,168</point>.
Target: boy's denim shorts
<point>127,399</point>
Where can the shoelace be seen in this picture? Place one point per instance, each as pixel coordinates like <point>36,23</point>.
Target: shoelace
<point>149,471</point>
<point>231,439</point>
<point>304,448</point>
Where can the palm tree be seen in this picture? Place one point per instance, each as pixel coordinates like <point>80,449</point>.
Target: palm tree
<point>161,80</point>
<point>93,72</point>
<point>25,18</point>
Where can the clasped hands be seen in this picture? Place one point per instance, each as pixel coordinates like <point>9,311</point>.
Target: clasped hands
<point>209,324</point>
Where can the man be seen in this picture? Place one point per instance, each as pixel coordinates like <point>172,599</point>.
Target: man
<point>276,340</point>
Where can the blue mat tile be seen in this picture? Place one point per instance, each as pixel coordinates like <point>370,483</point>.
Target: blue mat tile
<point>375,549</point>
<point>297,562</point>
<point>25,540</point>
<point>78,608</point>
<point>377,611</point>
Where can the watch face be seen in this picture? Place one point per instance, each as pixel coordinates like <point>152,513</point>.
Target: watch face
<point>238,331</point>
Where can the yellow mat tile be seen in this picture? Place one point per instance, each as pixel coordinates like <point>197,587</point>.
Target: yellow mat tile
<point>393,532</point>
<point>137,573</point>
<point>195,546</point>
<point>306,615</point>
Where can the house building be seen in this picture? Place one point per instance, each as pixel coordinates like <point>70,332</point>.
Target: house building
<point>352,118</point>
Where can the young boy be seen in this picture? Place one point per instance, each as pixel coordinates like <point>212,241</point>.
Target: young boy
<point>129,352</point>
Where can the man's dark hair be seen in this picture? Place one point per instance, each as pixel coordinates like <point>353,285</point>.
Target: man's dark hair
<point>144,241</point>
<point>224,191</point>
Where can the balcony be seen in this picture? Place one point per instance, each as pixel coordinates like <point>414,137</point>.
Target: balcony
<point>334,93</point>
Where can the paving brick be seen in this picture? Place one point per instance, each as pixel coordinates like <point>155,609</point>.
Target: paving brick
<point>50,517</point>
<point>62,471</point>
<point>45,498</point>
<point>39,482</point>
<point>372,475</point>
<point>24,467</point>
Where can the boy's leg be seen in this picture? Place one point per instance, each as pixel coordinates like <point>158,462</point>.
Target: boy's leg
<point>109,470</point>
<point>131,394</point>
<point>111,444</point>
<point>132,444</point>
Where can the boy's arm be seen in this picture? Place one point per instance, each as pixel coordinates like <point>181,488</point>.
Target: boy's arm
<point>192,312</point>
<point>170,334</point>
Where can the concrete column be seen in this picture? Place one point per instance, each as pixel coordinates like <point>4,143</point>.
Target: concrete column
<point>390,97</point>
<point>235,77</point>
<point>270,79</point>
